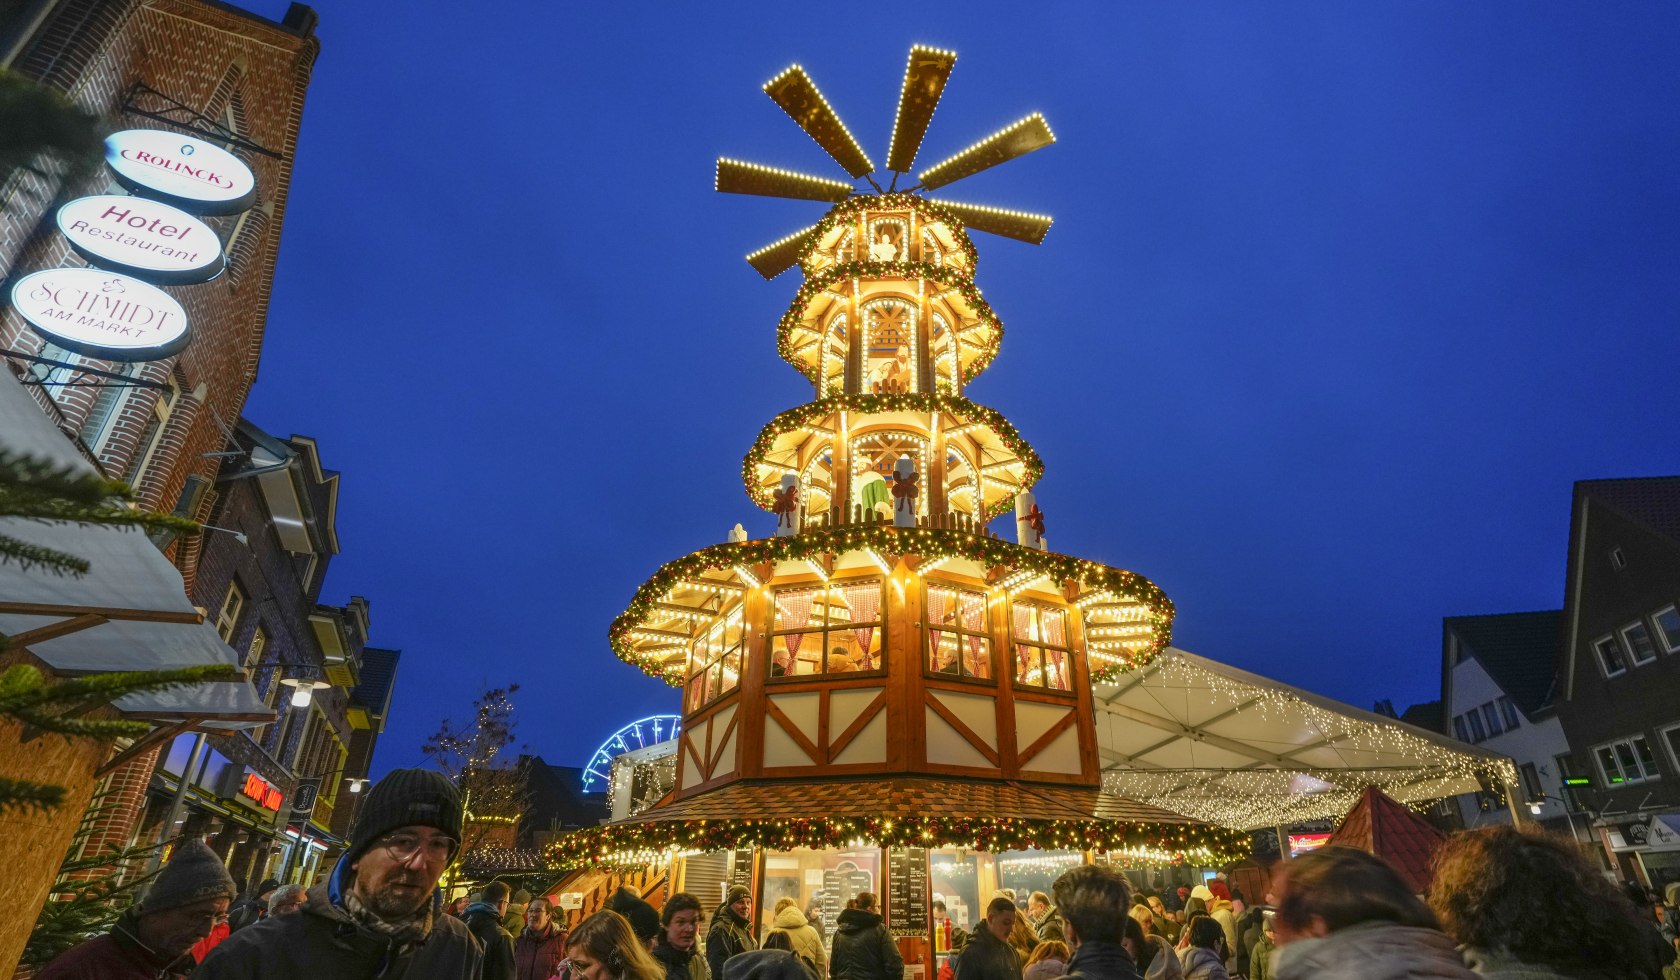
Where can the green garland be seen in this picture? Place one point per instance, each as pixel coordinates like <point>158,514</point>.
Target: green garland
<point>616,845</point>
<point>944,276</point>
<point>929,543</point>
<point>899,401</point>
<point>890,202</point>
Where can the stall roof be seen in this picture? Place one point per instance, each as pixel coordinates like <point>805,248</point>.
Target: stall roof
<point>129,612</point>
<point>1201,738</point>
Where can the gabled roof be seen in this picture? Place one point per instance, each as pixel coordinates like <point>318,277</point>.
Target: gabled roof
<point>379,674</point>
<point>1427,716</point>
<point>1653,501</point>
<point>1518,650</point>
<point>1380,826</point>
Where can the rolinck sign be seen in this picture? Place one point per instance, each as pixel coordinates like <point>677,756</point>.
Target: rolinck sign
<point>143,238</point>
<point>194,175</point>
<point>101,314</point>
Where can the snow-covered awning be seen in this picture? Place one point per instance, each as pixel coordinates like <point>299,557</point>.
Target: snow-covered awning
<point>1233,748</point>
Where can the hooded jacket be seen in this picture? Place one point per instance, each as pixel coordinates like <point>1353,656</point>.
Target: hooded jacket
<point>1260,959</point>
<point>485,923</point>
<point>986,957</point>
<point>324,941</point>
<point>1201,963</point>
<point>807,944</point>
<point>1164,965</point>
<point>1050,927</point>
<point>117,955</point>
<point>728,936</point>
<point>681,964</point>
<point>1372,951</point>
<point>1101,961</point>
<point>863,950</point>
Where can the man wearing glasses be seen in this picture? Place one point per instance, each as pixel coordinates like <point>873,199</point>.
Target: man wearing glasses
<point>151,940</point>
<point>380,913</point>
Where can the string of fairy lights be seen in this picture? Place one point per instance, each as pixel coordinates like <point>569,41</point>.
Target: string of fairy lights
<point>1413,769</point>
<point>933,546</point>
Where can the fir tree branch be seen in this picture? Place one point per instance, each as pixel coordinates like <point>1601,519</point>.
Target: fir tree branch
<point>21,794</point>
<point>31,557</point>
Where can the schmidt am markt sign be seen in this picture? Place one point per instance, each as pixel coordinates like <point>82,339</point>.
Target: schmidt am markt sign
<point>135,244</point>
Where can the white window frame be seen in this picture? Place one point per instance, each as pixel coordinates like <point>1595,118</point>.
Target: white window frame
<point>258,645</point>
<point>1671,645</point>
<point>228,621</point>
<point>1478,732</point>
<point>1611,746</point>
<point>1490,717</point>
<point>1598,654</point>
<point>1507,710</point>
<point>1668,744</point>
<point>1631,649</point>
<point>162,409</point>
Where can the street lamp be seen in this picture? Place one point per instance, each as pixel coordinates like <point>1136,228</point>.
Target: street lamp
<point>303,689</point>
<point>357,784</point>
<point>1538,803</point>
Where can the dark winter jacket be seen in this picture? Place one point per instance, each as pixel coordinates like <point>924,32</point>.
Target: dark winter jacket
<point>247,911</point>
<point>1101,961</point>
<point>323,942</point>
<point>727,937</point>
<point>485,923</point>
<point>1372,951</point>
<point>864,950</point>
<point>682,964</point>
<point>117,955</point>
<point>1201,963</point>
<point>1050,927</point>
<point>536,956</point>
<point>986,957</point>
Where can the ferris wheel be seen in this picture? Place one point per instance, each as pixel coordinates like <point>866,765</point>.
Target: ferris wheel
<point>639,734</point>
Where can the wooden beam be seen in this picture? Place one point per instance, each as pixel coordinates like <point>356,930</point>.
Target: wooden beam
<point>41,634</point>
<point>154,737</point>
<point>127,615</point>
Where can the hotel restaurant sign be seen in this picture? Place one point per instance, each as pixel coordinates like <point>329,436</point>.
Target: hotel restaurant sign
<point>136,243</point>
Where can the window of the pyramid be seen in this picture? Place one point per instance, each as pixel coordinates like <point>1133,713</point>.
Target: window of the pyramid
<point>889,336</point>
<point>875,457</point>
<point>958,643</point>
<point>715,661</point>
<point>831,361</point>
<point>1041,646</point>
<point>962,483</point>
<point>828,629</point>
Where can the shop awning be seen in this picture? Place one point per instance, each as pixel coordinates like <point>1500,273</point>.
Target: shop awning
<point>1233,748</point>
<point>128,613</point>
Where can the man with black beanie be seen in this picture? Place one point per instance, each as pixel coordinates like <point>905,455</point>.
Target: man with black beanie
<point>379,912</point>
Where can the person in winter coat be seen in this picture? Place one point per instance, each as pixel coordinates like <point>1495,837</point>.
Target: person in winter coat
<point>675,948</point>
<point>863,949</point>
<point>803,940</point>
<point>644,921</point>
<point>1023,937</point>
<point>513,920</point>
<point>1154,958</point>
<point>1219,911</point>
<point>1345,915</point>
<point>768,964</point>
<point>988,955</point>
<point>253,908</point>
<point>1046,921</point>
<point>1093,900</point>
<point>1049,961</point>
<point>540,946</point>
<point>1249,929</point>
<point>731,931</point>
<point>379,913</point>
<point>1204,957</point>
<point>604,947</point>
<point>1260,957</point>
<point>1522,903</point>
<point>484,921</point>
<point>152,940</point>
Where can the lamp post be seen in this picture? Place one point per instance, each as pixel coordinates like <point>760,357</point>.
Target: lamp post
<point>1538,803</point>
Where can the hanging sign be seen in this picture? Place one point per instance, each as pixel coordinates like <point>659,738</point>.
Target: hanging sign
<point>182,170</point>
<point>101,314</point>
<point>303,801</point>
<point>143,238</point>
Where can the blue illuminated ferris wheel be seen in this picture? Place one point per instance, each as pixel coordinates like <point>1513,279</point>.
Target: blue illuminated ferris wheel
<point>637,735</point>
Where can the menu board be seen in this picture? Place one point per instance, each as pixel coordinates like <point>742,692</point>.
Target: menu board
<point>741,870</point>
<point>907,890</point>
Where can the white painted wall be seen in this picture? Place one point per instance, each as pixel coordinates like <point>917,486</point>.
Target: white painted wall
<point>1539,743</point>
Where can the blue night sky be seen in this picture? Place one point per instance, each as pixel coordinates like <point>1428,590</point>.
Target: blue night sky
<point>1340,300</point>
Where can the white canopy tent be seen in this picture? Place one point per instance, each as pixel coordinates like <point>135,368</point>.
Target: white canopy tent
<point>1223,745</point>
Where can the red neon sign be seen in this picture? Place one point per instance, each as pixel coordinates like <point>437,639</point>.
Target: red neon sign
<point>258,791</point>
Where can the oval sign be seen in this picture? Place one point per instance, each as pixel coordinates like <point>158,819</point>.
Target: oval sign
<point>102,314</point>
<point>187,172</point>
<point>141,237</point>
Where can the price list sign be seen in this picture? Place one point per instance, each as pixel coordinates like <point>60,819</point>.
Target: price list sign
<point>907,890</point>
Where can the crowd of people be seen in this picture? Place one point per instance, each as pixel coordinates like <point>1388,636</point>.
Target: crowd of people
<point>1505,903</point>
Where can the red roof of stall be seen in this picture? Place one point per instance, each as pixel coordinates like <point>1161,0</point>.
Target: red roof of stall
<point>1391,831</point>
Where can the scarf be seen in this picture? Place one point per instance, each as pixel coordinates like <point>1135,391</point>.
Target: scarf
<point>410,930</point>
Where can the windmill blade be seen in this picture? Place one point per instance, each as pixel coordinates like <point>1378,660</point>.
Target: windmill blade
<point>1017,139</point>
<point>924,82</point>
<point>778,257</point>
<point>740,177</point>
<point>1018,225</point>
<point>798,96</point>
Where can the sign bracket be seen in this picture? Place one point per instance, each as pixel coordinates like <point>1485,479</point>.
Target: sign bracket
<point>165,109</point>
<point>121,380</point>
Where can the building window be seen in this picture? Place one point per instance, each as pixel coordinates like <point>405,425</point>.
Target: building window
<point>1041,646</point>
<point>1610,658</point>
<point>1460,728</point>
<point>227,620</point>
<point>1668,627</point>
<point>1532,786</point>
<point>830,629</point>
<point>1627,761</point>
<point>1490,714</point>
<point>152,435</point>
<point>1474,720</point>
<point>714,662</point>
<point>1508,711</point>
<point>958,642</point>
<point>259,643</point>
<point>96,429</point>
<point>1638,639</point>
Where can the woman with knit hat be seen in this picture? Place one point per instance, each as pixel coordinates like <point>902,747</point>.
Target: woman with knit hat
<point>379,913</point>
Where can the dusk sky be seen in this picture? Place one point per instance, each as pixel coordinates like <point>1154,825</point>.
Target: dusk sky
<point>1340,300</point>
